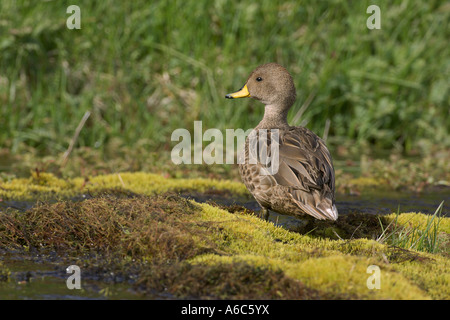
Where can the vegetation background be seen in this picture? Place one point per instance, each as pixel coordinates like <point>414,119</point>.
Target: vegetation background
<point>145,68</point>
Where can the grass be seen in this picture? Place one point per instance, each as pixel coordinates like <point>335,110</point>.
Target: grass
<point>143,73</point>
<point>123,224</point>
<point>421,237</point>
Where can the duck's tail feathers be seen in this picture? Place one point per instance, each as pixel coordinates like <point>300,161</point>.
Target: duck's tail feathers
<point>322,211</point>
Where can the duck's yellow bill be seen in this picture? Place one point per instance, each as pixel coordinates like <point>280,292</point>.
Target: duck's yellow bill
<point>242,93</point>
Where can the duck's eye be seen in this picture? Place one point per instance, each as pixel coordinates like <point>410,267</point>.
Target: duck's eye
<point>259,79</point>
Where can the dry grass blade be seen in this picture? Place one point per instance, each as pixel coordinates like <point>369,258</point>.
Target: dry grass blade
<point>304,106</point>
<point>66,155</point>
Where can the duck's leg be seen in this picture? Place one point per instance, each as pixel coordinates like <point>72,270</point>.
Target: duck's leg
<point>265,213</point>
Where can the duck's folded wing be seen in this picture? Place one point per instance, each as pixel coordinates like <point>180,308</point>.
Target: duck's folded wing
<point>305,167</point>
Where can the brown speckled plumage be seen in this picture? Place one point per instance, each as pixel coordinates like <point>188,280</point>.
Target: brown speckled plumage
<point>304,182</point>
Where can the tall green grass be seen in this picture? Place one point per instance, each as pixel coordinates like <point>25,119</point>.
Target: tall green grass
<point>423,237</point>
<point>145,68</point>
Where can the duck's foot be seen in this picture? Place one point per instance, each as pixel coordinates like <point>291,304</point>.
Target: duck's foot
<point>264,214</point>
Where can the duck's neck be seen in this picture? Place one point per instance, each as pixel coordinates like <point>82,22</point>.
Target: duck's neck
<point>274,118</point>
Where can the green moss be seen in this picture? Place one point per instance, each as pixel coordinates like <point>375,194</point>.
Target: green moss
<point>418,220</point>
<point>330,266</point>
<point>46,185</point>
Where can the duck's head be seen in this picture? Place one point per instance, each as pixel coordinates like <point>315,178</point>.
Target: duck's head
<point>269,83</point>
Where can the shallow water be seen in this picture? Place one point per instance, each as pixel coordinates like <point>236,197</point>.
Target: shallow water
<point>376,202</point>
<point>34,277</point>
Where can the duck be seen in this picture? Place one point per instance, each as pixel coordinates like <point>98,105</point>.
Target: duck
<point>304,183</point>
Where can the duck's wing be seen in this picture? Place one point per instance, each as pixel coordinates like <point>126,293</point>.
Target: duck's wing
<point>305,166</point>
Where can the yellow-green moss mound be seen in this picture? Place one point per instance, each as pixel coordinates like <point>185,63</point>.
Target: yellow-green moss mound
<point>418,220</point>
<point>46,185</point>
<point>332,266</point>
